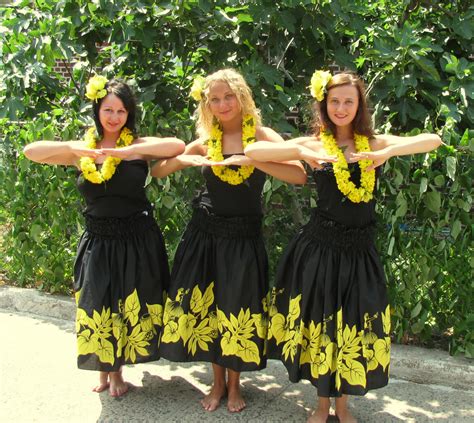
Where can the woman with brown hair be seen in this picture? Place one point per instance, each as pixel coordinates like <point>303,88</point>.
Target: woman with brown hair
<point>329,313</point>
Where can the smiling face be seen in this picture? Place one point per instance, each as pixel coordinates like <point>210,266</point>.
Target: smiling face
<point>223,102</point>
<point>342,104</point>
<point>112,114</point>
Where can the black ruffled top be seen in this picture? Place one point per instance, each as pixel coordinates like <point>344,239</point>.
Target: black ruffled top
<point>121,196</point>
<point>333,205</point>
<point>223,199</point>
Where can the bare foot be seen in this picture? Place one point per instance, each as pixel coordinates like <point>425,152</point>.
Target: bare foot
<point>345,416</point>
<point>318,416</point>
<point>103,382</point>
<point>118,386</point>
<point>235,402</point>
<point>213,399</point>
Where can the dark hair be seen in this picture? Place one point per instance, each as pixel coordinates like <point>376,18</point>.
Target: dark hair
<point>362,123</point>
<point>124,92</point>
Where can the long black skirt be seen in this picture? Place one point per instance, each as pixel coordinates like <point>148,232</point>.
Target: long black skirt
<point>216,310</point>
<point>329,315</point>
<point>120,277</point>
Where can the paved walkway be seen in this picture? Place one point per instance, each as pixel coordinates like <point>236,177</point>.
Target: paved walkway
<point>39,382</point>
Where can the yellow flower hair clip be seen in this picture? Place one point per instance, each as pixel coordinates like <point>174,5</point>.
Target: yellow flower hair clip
<point>197,88</point>
<point>95,88</point>
<point>319,81</point>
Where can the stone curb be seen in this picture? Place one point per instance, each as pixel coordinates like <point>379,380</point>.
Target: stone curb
<point>419,365</point>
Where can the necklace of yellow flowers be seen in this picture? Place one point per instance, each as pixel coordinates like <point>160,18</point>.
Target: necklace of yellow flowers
<point>341,169</point>
<point>214,149</point>
<point>87,164</point>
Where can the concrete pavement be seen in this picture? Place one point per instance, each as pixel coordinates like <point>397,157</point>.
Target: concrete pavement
<point>39,380</point>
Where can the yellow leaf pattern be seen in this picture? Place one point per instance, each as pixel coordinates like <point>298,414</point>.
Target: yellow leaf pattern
<point>107,335</point>
<point>200,327</point>
<point>132,308</point>
<point>350,357</point>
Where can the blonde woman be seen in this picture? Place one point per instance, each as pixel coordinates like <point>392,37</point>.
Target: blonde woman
<point>216,310</point>
<point>330,319</point>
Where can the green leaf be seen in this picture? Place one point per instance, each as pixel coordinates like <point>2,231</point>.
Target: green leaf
<point>423,185</point>
<point>456,229</point>
<point>451,167</point>
<point>439,180</point>
<point>416,310</point>
<point>35,232</point>
<point>168,201</point>
<point>433,201</point>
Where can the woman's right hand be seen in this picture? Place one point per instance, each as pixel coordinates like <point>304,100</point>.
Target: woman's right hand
<point>78,150</point>
<point>316,159</point>
<point>194,160</point>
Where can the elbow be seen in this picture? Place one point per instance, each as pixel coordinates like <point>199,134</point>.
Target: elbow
<point>28,151</point>
<point>252,152</point>
<point>156,172</point>
<point>180,147</point>
<point>301,179</point>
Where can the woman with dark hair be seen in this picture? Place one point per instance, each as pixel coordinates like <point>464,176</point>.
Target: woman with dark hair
<point>329,314</point>
<point>121,267</point>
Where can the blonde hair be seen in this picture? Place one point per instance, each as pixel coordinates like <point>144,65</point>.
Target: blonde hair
<point>239,87</point>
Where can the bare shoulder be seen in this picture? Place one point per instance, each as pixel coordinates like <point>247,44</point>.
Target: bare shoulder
<point>264,133</point>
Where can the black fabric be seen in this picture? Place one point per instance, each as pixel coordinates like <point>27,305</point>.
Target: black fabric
<point>332,204</point>
<point>329,310</point>
<point>216,310</point>
<point>121,196</point>
<point>232,200</point>
<point>120,276</point>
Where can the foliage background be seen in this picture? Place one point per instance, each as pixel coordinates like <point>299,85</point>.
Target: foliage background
<point>415,55</point>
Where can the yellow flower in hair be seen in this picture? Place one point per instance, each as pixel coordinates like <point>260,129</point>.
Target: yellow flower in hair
<point>319,81</point>
<point>95,88</point>
<point>196,89</point>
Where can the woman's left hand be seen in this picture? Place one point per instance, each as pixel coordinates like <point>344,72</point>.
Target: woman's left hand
<point>236,160</point>
<point>120,153</point>
<point>378,157</point>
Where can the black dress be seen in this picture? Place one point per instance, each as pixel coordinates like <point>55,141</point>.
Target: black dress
<point>120,273</point>
<point>217,305</point>
<point>329,315</point>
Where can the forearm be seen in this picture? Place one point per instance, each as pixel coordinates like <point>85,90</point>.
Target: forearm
<point>49,152</point>
<point>158,147</point>
<point>166,167</point>
<point>265,151</point>
<point>292,173</point>
<point>421,143</point>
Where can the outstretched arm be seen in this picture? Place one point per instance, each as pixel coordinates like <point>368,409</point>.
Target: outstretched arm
<point>194,155</point>
<point>303,148</point>
<point>148,148</point>
<point>288,171</point>
<point>59,152</point>
<point>386,146</point>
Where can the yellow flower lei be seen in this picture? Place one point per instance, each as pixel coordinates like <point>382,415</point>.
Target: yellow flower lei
<point>214,148</point>
<point>341,170</point>
<point>87,164</point>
